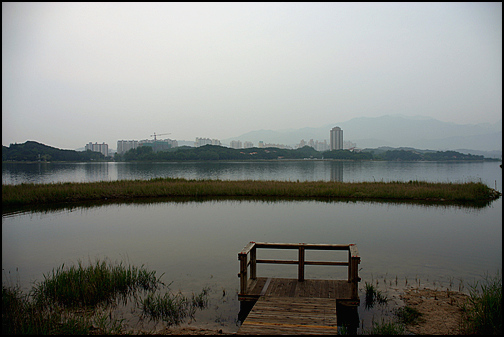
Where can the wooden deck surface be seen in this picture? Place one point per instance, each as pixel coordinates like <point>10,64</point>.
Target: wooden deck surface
<point>283,287</point>
<point>287,315</point>
<point>287,306</point>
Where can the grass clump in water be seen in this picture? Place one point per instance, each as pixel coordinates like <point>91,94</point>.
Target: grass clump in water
<point>173,308</point>
<point>22,315</point>
<point>79,286</point>
<point>374,296</point>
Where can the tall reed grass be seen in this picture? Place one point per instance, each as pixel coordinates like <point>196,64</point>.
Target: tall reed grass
<point>26,194</point>
<point>373,296</point>
<point>173,308</point>
<point>81,286</point>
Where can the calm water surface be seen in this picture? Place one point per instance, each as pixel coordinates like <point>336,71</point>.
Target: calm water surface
<point>196,243</point>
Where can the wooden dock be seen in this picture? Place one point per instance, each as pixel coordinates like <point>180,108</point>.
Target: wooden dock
<point>295,306</point>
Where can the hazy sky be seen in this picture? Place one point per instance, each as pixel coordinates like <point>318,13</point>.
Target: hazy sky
<point>74,73</point>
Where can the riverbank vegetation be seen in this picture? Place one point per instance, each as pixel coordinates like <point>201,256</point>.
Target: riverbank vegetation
<point>35,152</point>
<point>123,190</point>
<point>80,300</point>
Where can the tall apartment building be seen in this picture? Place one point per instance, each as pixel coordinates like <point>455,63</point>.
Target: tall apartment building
<point>206,141</point>
<point>236,144</point>
<point>336,135</point>
<point>321,146</point>
<point>317,145</point>
<point>102,148</point>
<point>126,145</point>
<point>248,144</point>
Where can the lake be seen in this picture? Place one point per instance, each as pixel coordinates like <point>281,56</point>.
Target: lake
<point>196,243</point>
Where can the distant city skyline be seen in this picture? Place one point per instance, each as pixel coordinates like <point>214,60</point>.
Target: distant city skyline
<point>391,127</point>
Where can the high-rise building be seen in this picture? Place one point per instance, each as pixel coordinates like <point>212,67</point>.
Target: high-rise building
<point>126,145</point>
<point>336,138</point>
<point>102,148</point>
<point>158,144</point>
<point>206,141</point>
<point>236,144</point>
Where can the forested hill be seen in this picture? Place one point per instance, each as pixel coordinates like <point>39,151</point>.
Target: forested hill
<point>33,151</point>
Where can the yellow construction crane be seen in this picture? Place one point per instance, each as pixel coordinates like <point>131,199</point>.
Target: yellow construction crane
<point>162,134</point>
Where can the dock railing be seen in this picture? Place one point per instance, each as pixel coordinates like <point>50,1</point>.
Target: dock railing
<point>247,263</point>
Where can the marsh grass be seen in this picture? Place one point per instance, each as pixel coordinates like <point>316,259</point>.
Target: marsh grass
<point>22,315</point>
<point>75,300</point>
<point>373,295</point>
<point>81,286</point>
<point>483,310</point>
<point>26,194</point>
<point>173,308</point>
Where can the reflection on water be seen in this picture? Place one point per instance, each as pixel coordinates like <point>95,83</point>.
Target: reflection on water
<point>337,171</point>
<point>305,170</point>
<point>48,208</point>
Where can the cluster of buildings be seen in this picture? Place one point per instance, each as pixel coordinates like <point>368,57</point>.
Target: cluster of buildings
<point>206,141</point>
<point>102,148</point>
<point>124,146</point>
<point>335,143</point>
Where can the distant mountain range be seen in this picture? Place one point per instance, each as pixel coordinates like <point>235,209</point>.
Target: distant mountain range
<point>393,131</point>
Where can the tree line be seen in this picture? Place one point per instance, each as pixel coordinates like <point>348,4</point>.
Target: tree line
<point>33,151</point>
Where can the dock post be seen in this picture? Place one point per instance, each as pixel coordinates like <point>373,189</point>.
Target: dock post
<point>353,270</point>
<point>301,262</point>
<point>253,264</point>
<point>243,273</point>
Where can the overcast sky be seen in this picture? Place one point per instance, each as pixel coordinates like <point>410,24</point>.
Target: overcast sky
<point>74,73</point>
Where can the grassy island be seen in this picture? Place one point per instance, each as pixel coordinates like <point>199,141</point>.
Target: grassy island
<point>123,190</point>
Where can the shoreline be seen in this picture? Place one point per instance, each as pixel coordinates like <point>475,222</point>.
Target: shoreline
<point>250,160</point>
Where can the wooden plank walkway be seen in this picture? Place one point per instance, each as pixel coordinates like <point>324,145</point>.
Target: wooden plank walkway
<point>288,306</point>
<point>284,315</point>
<point>284,287</point>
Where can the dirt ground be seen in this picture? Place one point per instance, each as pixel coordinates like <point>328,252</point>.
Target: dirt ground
<point>441,311</point>
<point>441,314</point>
